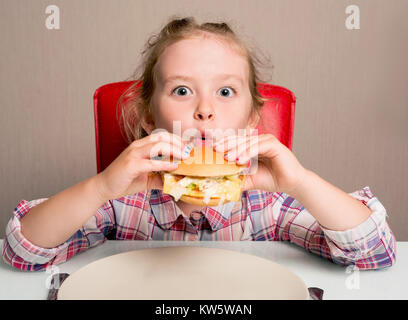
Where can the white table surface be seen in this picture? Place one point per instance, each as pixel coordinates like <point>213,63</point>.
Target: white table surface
<point>338,282</point>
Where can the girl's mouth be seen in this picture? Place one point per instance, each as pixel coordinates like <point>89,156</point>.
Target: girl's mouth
<point>203,140</point>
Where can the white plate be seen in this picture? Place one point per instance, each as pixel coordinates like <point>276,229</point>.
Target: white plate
<point>183,273</point>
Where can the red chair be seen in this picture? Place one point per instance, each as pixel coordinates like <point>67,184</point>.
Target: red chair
<point>278,115</point>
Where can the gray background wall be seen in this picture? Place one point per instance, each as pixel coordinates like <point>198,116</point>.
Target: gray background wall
<point>351,86</point>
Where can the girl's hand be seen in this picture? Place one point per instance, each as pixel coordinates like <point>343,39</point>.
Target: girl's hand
<point>131,171</point>
<point>277,170</point>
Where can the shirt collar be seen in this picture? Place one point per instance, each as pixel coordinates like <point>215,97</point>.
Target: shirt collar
<point>166,211</point>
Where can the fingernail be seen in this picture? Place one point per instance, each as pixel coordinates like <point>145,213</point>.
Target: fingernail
<point>187,149</point>
<point>186,152</point>
<point>242,161</point>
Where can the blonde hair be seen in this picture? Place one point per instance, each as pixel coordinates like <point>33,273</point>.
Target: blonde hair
<point>135,102</point>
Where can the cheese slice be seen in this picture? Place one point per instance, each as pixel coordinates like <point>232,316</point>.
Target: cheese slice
<point>228,188</point>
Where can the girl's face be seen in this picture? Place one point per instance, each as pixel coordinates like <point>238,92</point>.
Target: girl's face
<point>203,82</point>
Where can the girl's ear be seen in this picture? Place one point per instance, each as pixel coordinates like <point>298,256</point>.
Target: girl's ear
<point>147,123</point>
<point>253,120</point>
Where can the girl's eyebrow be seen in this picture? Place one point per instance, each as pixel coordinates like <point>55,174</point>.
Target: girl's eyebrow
<point>220,77</point>
<point>173,78</point>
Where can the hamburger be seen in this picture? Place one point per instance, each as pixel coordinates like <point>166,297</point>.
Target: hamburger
<point>205,178</point>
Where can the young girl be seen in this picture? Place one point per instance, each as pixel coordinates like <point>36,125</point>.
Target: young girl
<point>204,76</point>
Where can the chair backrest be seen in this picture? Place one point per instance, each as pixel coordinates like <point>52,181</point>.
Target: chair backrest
<point>278,115</point>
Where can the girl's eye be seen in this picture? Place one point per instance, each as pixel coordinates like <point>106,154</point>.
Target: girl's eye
<point>227,91</point>
<point>181,91</point>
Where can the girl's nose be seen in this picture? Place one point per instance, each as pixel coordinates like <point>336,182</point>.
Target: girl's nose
<point>203,114</point>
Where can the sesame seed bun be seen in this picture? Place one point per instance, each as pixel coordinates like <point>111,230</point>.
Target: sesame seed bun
<point>206,162</point>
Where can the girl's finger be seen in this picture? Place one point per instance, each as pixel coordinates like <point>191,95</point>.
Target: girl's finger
<point>235,146</point>
<point>225,139</point>
<point>225,136</point>
<point>265,146</point>
<point>162,136</point>
<point>178,141</point>
<point>162,165</point>
<point>236,152</point>
<point>162,150</point>
<point>167,136</point>
<point>146,165</point>
<point>240,147</point>
<point>229,143</point>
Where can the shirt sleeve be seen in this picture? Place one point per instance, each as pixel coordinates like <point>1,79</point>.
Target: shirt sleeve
<point>370,245</point>
<point>20,253</point>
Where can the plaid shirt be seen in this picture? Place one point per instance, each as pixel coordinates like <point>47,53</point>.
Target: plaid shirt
<point>259,216</point>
